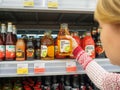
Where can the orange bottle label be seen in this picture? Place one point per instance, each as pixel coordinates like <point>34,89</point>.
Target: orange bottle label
<point>30,52</point>
<point>2,51</point>
<point>10,51</point>
<point>20,53</point>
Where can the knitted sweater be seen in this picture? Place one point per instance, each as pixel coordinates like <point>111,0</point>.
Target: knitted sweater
<point>100,77</point>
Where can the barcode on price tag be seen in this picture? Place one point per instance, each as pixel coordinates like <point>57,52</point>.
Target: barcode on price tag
<point>22,68</point>
<point>39,68</point>
<point>71,66</point>
<point>28,3</point>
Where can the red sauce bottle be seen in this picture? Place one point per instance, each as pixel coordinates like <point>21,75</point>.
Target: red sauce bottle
<point>10,44</point>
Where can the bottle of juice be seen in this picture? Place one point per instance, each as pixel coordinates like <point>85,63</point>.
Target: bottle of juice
<point>2,49</point>
<point>10,44</point>
<point>3,32</point>
<point>15,33</point>
<point>30,49</point>
<point>20,49</point>
<point>47,47</point>
<point>64,44</point>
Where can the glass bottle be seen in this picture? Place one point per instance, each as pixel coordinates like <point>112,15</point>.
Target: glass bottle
<point>15,33</point>
<point>30,49</point>
<point>10,43</point>
<point>64,44</point>
<point>2,49</point>
<point>3,32</point>
<point>20,49</point>
<point>47,47</point>
<point>37,49</point>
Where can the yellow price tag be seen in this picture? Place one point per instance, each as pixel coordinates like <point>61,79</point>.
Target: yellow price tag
<point>52,4</point>
<point>22,68</point>
<point>28,3</point>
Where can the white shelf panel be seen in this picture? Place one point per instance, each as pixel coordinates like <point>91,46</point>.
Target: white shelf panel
<point>53,67</point>
<point>65,6</point>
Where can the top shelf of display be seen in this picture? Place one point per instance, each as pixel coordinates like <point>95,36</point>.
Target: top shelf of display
<point>64,6</point>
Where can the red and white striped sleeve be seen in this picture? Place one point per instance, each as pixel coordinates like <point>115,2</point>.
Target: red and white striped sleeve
<point>100,77</point>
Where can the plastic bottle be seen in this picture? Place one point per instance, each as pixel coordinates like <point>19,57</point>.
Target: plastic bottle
<point>89,45</point>
<point>64,44</point>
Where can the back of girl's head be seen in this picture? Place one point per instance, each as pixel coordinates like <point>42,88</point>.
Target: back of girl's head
<point>108,11</point>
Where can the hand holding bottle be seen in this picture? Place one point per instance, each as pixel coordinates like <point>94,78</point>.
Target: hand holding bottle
<point>74,43</point>
<point>81,56</point>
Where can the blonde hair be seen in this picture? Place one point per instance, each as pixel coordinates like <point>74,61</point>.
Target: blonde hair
<point>108,11</point>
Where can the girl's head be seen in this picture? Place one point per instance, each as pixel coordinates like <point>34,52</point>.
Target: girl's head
<point>107,13</point>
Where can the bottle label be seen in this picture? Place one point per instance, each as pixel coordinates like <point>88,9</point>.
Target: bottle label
<point>44,51</point>
<point>30,52</point>
<point>20,53</point>
<point>10,28</point>
<point>37,53</point>
<point>2,51</point>
<point>90,49</point>
<point>64,46</point>
<point>10,51</point>
<point>99,50</point>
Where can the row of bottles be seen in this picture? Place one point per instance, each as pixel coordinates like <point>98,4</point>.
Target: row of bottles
<point>70,82</point>
<point>47,48</point>
<point>8,42</point>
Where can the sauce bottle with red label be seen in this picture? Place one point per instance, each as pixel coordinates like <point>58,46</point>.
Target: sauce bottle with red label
<point>89,45</point>
<point>2,42</point>
<point>2,49</point>
<point>10,44</point>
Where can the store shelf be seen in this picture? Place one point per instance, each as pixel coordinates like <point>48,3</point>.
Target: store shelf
<point>68,6</point>
<point>52,67</point>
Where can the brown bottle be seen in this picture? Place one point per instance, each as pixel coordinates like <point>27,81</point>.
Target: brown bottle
<point>2,49</point>
<point>3,32</point>
<point>30,49</point>
<point>15,33</point>
<point>64,44</point>
<point>47,47</point>
<point>37,49</point>
<point>20,49</point>
<point>10,44</point>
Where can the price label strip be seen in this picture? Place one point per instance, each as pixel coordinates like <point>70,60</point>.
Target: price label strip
<point>28,3</point>
<point>22,68</point>
<point>71,66</point>
<point>52,3</point>
<point>39,68</point>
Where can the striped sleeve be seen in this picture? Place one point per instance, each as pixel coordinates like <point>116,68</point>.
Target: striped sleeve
<point>100,77</point>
